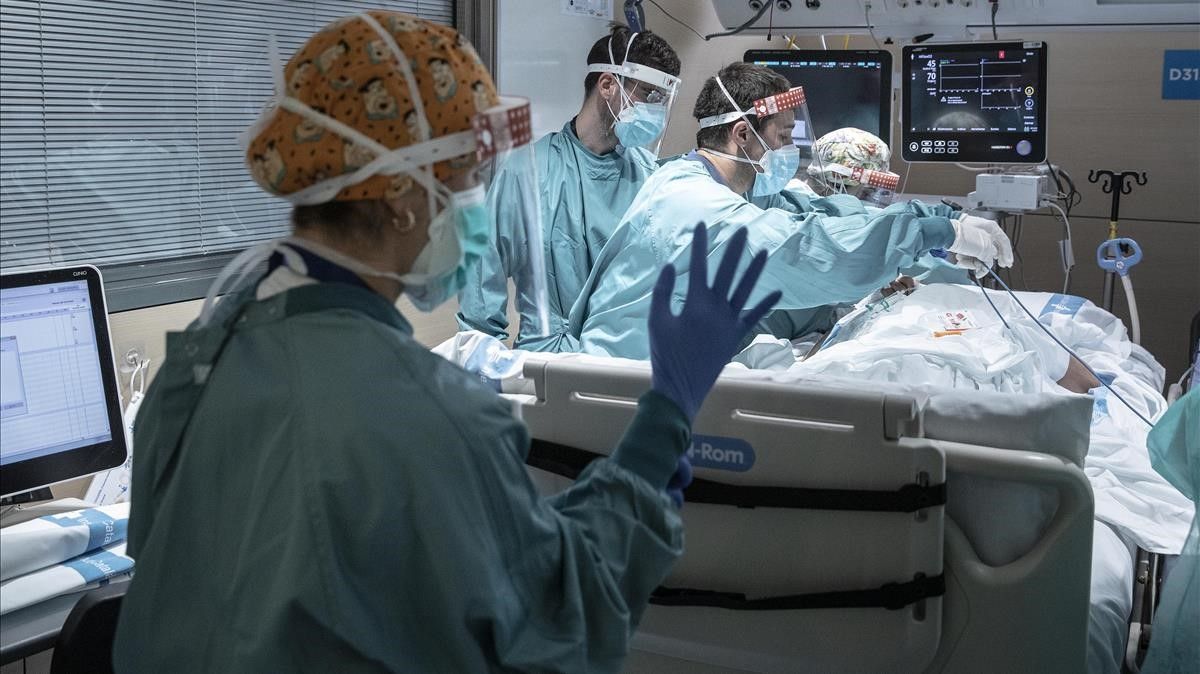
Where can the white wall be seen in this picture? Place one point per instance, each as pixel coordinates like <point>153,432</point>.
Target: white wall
<point>542,55</point>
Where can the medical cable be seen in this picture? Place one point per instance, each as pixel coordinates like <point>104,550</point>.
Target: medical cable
<point>1068,255</point>
<point>1059,342</point>
<point>1131,302</point>
<point>989,300</point>
<point>995,8</point>
<point>870,26</point>
<point>762,10</point>
<point>1185,375</point>
<point>907,171</point>
<point>678,21</point>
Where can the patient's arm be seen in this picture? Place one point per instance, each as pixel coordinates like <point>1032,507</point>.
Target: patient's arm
<point>1077,378</point>
<point>900,285</point>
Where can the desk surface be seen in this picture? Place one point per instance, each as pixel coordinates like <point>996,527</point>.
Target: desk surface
<point>34,629</point>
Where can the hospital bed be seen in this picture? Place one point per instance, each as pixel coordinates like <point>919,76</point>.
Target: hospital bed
<point>1004,523</point>
<point>964,546</point>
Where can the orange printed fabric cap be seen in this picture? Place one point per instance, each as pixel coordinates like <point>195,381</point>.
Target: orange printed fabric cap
<point>347,71</point>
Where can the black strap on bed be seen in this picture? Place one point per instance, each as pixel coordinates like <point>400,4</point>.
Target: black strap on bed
<point>892,596</point>
<point>570,462</point>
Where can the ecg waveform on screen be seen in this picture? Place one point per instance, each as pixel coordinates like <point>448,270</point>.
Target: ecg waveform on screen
<point>996,83</point>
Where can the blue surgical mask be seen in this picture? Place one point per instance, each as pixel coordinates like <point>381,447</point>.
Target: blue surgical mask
<point>777,167</point>
<point>451,248</point>
<point>774,169</point>
<point>640,124</point>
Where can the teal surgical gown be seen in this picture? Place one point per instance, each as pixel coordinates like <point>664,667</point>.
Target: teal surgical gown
<point>821,251</point>
<point>317,492</point>
<point>583,196</point>
<point>1174,445</point>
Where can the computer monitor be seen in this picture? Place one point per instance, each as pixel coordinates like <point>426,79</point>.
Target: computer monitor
<point>60,408</point>
<point>974,102</point>
<point>844,88</point>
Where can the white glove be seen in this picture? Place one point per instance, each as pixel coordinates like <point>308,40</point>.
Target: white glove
<point>978,242</point>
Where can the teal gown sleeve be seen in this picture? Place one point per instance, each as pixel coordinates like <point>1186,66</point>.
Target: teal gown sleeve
<point>1174,445</point>
<point>483,301</point>
<point>835,253</point>
<point>572,573</point>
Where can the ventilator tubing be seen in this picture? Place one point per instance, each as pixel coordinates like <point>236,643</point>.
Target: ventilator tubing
<point>1134,324</point>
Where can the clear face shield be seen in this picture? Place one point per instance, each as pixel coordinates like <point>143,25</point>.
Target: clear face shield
<point>776,166</point>
<point>874,187</point>
<point>647,97</point>
<point>502,139</point>
<point>853,161</point>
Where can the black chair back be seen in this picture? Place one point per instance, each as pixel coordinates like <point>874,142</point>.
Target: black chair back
<point>85,643</point>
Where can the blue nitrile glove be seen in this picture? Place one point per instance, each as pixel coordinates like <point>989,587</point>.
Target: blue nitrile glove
<point>680,480</point>
<point>688,351</point>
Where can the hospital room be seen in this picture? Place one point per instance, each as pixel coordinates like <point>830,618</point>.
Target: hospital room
<point>631,336</point>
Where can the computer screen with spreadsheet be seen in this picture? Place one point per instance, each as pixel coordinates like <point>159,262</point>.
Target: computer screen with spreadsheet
<point>58,393</point>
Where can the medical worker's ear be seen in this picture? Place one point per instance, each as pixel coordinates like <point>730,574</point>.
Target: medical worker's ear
<point>741,133</point>
<point>607,86</point>
<point>409,211</point>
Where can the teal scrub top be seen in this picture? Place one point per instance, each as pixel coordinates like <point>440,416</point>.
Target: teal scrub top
<point>317,492</point>
<point>820,251</point>
<point>583,196</point>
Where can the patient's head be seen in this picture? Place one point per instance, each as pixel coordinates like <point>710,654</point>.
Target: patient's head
<point>853,161</point>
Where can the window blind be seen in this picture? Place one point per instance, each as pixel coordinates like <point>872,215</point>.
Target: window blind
<point>119,124</point>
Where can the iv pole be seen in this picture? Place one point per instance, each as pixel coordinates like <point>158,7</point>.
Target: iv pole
<point>1115,183</point>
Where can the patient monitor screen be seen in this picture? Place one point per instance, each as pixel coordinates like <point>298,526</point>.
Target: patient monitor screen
<point>975,102</point>
<point>52,395</point>
<point>843,88</point>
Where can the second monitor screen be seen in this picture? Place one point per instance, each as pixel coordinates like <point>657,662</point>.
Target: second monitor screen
<point>843,88</point>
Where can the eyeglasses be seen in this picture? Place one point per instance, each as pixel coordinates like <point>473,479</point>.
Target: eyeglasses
<point>653,96</point>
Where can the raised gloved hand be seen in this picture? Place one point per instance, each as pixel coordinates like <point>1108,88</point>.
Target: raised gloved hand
<point>978,243</point>
<point>688,351</point>
<point>680,480</point>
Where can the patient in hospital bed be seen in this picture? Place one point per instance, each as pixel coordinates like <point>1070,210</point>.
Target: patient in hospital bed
<point>946,336</point>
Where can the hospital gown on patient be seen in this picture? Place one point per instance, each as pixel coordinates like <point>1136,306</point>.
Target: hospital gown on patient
<point>903,345</point>
<point>918,342</point>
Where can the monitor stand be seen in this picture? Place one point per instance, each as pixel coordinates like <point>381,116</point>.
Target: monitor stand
<point>33,504</point>
<point>30,496</point>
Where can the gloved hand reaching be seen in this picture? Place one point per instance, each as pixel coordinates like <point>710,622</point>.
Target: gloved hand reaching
<point>978,243</point>
<point>688,351</point>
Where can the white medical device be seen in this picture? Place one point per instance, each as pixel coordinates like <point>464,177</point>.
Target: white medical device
<point>1011,193</point>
